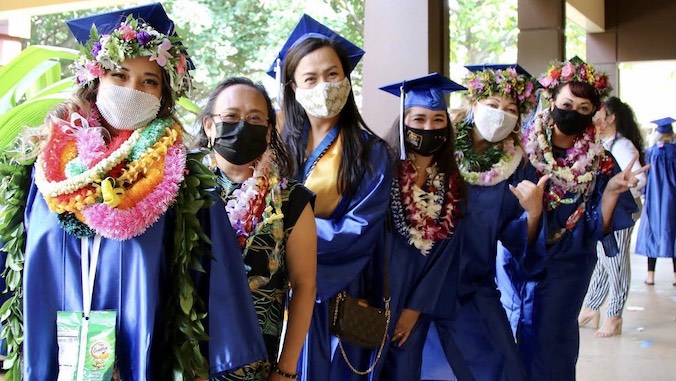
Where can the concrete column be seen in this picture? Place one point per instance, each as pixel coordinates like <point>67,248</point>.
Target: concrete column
<point>602,48</point>
<point>402,40</point>
<point>541,33</point>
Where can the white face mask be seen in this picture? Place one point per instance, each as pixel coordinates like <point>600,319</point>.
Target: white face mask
<point>493,124</point>
<point>125,108</point>
<point>326,99</point>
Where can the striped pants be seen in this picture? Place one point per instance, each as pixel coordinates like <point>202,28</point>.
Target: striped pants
<point>611,274</point>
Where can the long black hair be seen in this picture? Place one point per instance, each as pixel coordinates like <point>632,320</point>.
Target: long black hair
<point>282,158</point>
<point>625,123</point>
<point>355,156</point>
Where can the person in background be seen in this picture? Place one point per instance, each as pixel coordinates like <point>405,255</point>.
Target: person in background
<point>335,155</point>
<point>272,219</point>
<point>586,198</point>
<point>621,136</point>
<point>656,236</point>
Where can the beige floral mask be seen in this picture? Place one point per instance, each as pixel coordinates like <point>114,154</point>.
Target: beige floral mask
<point>326,99</point>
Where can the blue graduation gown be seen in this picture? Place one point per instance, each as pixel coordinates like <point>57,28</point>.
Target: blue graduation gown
<point>478,326</point>
<point>345,244</point>
<point>657,231</point>
<point>416,281</point>
<point>548,295</point>
<point>235,337</point>
<point>130,279</point>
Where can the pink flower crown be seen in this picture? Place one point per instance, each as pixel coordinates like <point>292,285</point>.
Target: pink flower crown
<point>505,83</point>
<point>133,39</point>
<point>575,70</point>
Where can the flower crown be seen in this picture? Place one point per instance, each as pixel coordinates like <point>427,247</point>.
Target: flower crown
<point>130,40</point>
<point>575,70</point>
<point>505,83</point>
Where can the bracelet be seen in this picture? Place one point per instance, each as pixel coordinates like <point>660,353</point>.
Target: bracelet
<point>291,376</point>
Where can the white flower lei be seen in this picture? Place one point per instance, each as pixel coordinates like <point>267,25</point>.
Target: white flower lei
<point>579,165</point>
<point>499,171</point>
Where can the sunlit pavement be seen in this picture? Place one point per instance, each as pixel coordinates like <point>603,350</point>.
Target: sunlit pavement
<point>646,350</point>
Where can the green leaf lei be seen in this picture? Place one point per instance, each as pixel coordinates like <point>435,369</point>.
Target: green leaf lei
<point>185,311</point>
<point>468,159</point>
<point>14,185</point>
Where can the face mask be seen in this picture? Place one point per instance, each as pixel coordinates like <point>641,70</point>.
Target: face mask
<point>493,124</point>
<point>326,99</point>
<point>240,143</point>
<point>425,142</point>
<point>571,122</point>
<point>125,108</point>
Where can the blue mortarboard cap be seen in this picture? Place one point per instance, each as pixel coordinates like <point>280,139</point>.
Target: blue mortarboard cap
<point>426,91</point>
<point>519,69</point>
<point>308,27</point>
<point>664,125</point>
<point>153,14</point>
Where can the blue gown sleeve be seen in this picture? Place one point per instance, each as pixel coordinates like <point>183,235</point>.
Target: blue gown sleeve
<point>345,242</point>
<point>622,216</point>
<point>235,337</point>
<point>514,232</point>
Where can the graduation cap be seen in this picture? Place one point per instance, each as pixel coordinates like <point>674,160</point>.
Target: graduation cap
<point>105,23</point>
<point>308,27</point>
<point>426,91</point>
<point>482,67</point>
<point>664,125</point>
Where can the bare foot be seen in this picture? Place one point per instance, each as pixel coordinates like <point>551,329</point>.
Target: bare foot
<point>588,315</point>
<point>611,326</point>
<point>650,278</point>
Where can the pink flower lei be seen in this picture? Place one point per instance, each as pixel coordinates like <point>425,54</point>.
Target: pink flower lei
<point>423,208</point>
<point>572,173</point>
<point>258,202</point>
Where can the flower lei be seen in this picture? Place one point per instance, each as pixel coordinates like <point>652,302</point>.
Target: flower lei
<point>572,173</point>
<point>506,83</point>
<point>495,165</point>
<point>130,40</point>
<point>256,207</point>
<point>116,190</point>
<point>417,213</point>
<point>575,70</point>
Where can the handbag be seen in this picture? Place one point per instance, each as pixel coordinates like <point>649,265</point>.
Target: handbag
<point>360,324</point>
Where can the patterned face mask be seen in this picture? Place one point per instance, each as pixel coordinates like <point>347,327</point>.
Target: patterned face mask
<point>325,100</point>
<point>493,124</point>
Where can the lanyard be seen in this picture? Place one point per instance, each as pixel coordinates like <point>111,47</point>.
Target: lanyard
<point>88,277</point>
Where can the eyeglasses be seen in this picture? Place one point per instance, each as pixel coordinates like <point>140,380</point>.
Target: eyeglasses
<point>253,119</point>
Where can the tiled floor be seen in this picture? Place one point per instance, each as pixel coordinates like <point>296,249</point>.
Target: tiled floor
<point>646,350</point>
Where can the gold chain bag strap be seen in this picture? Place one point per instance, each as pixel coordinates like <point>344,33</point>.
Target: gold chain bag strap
<point>357,323</point>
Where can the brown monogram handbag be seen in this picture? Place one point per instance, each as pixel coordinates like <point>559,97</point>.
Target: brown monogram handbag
<point>357,323</point>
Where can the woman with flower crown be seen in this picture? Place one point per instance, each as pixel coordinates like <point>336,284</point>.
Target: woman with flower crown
<point>273,222</point>
<point>110,218</point>
<point>586,199</point>
<point>504,203</point>
<point>335,155</point>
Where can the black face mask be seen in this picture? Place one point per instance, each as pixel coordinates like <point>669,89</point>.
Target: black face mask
<point>571,122</point>
<point>425,142</point>
<point>240,143</point>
